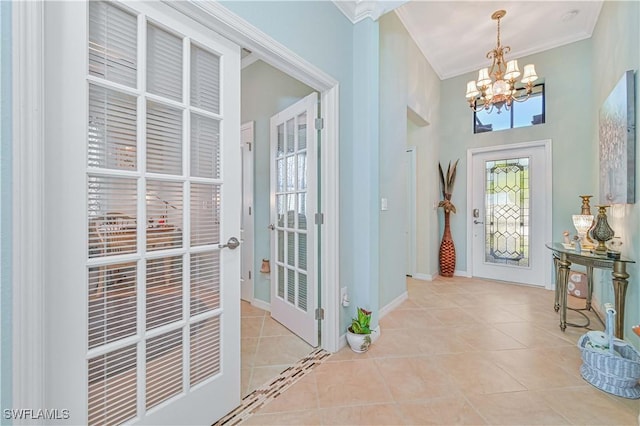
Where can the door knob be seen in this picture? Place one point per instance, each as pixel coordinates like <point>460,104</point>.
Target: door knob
<point>233,243</point>
<point>477,222</point>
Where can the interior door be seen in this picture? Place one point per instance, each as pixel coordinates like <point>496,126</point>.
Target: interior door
<point>508,216</point>
<point>294,286</point>
<point>150,153</point>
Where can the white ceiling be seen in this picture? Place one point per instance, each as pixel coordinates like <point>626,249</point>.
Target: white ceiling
<point>455,36</point>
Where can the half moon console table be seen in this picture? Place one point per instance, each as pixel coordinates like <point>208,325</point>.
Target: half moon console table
<point>564,257</point>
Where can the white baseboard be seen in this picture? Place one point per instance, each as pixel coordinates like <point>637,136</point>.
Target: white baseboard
<point>423,277</point>
<point>261,304</point>
<point>459,273</point>
<point>393,304</point>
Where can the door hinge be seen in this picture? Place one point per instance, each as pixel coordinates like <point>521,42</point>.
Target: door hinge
<point>249,210</point>
<point>249,274</point>
<point>249,144</point>
<point>319,218</point>
<point>319,314</point>
<point>319,123</point>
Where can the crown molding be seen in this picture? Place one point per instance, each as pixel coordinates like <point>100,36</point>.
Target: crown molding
<point>357,10</point>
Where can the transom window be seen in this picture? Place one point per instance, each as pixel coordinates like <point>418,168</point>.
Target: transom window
<point>519,114</point>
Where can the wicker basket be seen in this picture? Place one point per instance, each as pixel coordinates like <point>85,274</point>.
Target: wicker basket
<point>616,371</point>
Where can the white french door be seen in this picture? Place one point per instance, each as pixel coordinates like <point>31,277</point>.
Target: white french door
<point>294,289</point>
<point>151,137</point>
<point>509,213</point>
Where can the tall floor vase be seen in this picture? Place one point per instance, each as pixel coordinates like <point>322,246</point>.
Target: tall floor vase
<point>447,254</point>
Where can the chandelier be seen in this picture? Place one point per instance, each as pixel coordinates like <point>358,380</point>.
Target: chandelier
<point>496,85</point>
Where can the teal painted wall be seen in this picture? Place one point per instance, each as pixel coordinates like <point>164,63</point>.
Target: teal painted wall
<point>265,92</point>
<point>616,49</point>
<point>569,117</point>
<point>322,35</point>
<point>6,333</point>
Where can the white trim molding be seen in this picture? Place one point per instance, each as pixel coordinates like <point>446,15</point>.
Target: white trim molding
<point>224,22</point>
<point>357,10</point>
<point>261,304</point>
<point>28,205</point>
<point>422,277</point>
<point>393,304</point>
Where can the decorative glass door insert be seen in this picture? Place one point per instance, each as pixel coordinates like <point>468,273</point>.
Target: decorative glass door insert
<point>507,200</point>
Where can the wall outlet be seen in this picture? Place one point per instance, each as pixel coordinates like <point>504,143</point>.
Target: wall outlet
<point>384,204</point>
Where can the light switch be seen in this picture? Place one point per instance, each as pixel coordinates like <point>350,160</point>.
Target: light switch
<point>384,204</point>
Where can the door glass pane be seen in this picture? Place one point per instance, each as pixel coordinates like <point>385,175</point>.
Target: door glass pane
<point>302,131</point>
<point>164,215</point>
<point>280,144</point>
<point>164,139</point>
<point>302,211</point>
<point>291,248</point>
<point>291,143</point>
<point>164,63</point>
<point>291,210</point>
<point>112,303</point>
<point>280,209</point>
<point>112,43</point>
<point>113,387</point>
<point>281,175</point>
<point>302,251</point>
<point>164,367</point>
<point>205,147</point>
<point>507,212</point>
<point>302,292</point>
<point>205,80</point>
<point>204,349</point>
<point>291,286</point>
<point>205,214</point>
<point>281,282</point>
<point>280,246</point>
<point>112,216</point>
<point>205,282</point>
<point>112,129</point>
<point>164,291</point>
<point>302,171</point>
<point>291,173</point>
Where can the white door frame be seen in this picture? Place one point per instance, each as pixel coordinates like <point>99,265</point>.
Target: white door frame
<point>548,195</point>
<point>28,171</point>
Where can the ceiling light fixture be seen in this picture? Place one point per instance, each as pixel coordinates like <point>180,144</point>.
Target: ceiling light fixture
<point>496,85</point>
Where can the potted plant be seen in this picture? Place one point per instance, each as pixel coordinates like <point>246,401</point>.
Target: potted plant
<point>447,255</point>
<point>359,333</point>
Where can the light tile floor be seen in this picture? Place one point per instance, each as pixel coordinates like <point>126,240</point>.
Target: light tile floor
<point>458,351</point>
<point>267,347</point>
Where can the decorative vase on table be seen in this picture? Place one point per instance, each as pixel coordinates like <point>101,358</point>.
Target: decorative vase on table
<point>601,231</point>
<point>447,254</point>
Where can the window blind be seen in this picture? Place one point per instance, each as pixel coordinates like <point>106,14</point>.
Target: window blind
<point>164,291</point>
<point>205,214</point>
<point>164,367</point>
<point>164,63</point>
<point>204,349</point>
<point>111,129</point>
<point>164,139</point>
<point>112,43</point>
<point>205,147</point>
<point>205,80</point>
<point>205,282</point>
<point>113,387</point>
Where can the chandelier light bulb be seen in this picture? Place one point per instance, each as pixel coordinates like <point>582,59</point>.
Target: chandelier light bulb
<point>472,90</point>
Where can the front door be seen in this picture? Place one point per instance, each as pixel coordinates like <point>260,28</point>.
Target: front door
<point>147,153</point>
<point>294,286</point>
<point>509,217</point>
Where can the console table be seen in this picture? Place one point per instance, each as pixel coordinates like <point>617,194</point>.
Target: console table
<point>563,257</point>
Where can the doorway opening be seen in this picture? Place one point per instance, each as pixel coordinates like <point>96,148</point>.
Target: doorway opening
<point>279,178</point>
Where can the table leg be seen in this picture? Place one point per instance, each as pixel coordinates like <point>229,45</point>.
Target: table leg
<point>556,302</point>
<point>563,282</point>
<point>589,286</point>
<point>619,293</point>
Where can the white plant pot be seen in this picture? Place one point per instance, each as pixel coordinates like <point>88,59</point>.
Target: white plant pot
<point>358,342</point>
